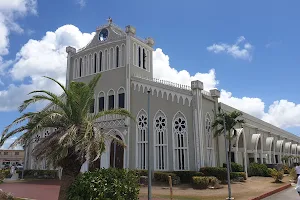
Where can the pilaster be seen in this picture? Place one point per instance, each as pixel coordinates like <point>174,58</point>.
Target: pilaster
<point>71,51</point>
<point>197,86</point>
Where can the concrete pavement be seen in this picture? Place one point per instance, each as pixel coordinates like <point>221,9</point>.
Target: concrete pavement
<point>288,194</point>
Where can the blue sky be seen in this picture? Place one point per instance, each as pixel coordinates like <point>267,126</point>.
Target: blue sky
<point>251,47</point>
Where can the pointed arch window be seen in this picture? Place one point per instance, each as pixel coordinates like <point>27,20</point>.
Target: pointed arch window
<point>144,59</point>
<point>209,141</point>
<point>95,63</point>
<point>123,55</point>
<point>111,100</point>
<point>80,67</point>
<point>100,61</point>
<point>160,141</point>
<point>121,98</point>
<point>117,56</point>
<point>139,52</point>
<point>180,136</point>
<point>111,60</point>
<point>142,140</point>
<point>101,102</point>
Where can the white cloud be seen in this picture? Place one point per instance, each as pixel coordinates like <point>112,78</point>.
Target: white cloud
<point>10,11</point>
<point>163,70</point>
<point>8,142</point>
<point>37,58</point>
<point>241,49</point>
<point>81,3</point>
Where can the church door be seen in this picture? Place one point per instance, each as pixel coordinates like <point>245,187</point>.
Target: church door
<point>116,154</point>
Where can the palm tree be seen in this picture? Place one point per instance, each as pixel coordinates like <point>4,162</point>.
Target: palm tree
<point>231,120</point>
<point>75,140</point>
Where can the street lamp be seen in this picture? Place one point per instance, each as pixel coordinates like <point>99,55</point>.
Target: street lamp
<point>227,161</point>
<point>149,154</point>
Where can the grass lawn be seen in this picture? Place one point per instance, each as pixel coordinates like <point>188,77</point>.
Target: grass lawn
<point>253,187</point>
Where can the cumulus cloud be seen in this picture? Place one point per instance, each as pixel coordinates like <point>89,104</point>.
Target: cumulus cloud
<point>163,70</point>
<point>10,11</point>
<point>37,58</point>
<point>240,49</point>
<point>8,142</point>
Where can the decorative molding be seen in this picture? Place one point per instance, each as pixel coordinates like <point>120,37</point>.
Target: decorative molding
<point>163,92</point>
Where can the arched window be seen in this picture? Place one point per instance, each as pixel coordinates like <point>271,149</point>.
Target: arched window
<point>85,69</point>
<point>105,67</point>
<point>80,67</point>
<point>134,54</point>
<point>142,140</point>
<point>123,51</point>
<point>144,59</point>
<point>95,63</point>
<point>75,72</point>
<point>111,100</point>
<point>117,56</point>
<point>90,64</point>
<point>180,136</point>
<point>111,60</point>
<point>101,101</point>
<point>139,52</point>
<point>121,98</point>
<point>100,61</point>
<point>160,141</point>
<point>209,141</point>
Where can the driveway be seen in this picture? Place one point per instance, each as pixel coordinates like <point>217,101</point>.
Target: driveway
<point>288,194</point>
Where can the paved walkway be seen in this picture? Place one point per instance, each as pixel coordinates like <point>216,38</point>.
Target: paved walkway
<point>38,190</point>
<point>288,194</point>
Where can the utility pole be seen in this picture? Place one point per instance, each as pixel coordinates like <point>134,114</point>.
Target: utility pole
<point>149,154</point>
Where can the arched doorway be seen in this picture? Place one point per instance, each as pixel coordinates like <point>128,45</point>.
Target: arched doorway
<point>116,154</point>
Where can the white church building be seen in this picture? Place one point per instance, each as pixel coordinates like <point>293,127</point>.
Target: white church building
<point>180,115</point>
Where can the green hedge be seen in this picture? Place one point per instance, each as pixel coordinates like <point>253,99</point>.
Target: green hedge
<point>186,176</point>
<point>38,174</point>
<point>105,184</point>
<point>256,169</point>
<point>235,167</point>
<point>234,175</point>
<point>219,172</point>
<point>202,182</point>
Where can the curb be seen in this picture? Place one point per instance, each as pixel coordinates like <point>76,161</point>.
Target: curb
<point>272,192</point>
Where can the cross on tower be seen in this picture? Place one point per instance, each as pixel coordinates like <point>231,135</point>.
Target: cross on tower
<point>109,20</point>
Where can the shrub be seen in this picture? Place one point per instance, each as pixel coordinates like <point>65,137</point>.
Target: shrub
<point>277,175</point>
<point>39,174</point>
<point>219,172</point>
<point>293,173</point>
<point>105,184</point>
<point>142,172</point>
<point>5,196</point>
<point>235,167</point>
<point>164,177</point>
<point>202,182</point>
<point>286,169</point>
<point>237,175</point>
<point>256,169</point>
<point>186,176</point>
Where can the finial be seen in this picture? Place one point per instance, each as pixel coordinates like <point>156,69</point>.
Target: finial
<point>109,20</point>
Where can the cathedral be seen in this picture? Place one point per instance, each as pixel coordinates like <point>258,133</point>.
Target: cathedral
<point>178,116</point>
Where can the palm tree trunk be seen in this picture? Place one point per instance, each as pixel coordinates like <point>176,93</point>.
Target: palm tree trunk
<point>229,152</point>
<point>71,169</point>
